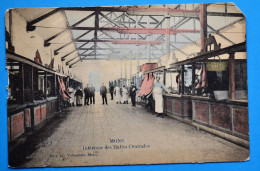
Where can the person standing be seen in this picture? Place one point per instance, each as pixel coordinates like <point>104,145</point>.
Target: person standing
<point>133,93</point>
<point>79,95</point>
<point>87,95</point>
<point>71,92</point>
<point>92,94</point>
<point>158,88</point>
<point>117,93</point>
<point>111,90</point>
<point>103,93</point>
<point>125,95</point>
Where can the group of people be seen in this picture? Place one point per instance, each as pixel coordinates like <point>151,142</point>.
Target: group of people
<point>77,95</point>
<point>89,94</point>
<point>122,94</point>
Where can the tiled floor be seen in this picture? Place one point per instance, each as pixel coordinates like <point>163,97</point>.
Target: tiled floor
<point>140,138</point>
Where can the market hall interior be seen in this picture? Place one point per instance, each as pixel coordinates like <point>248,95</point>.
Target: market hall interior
<point>174,71</point>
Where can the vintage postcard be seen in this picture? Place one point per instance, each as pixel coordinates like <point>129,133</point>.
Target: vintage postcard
<point>126,85</point>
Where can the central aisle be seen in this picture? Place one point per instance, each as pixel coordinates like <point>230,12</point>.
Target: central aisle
<point>134,134</point>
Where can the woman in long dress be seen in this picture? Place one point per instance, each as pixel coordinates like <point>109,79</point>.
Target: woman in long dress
<point>79,95</point>
<point>71,92</point>
<point>118,95</point>
<point>125,95</point>
<point>158,88</point>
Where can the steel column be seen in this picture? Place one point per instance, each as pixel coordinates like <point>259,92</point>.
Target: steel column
<point>121,69</point>
<point>130,68</point>
<point>203,25</point>
<point>182,79</point>
<point>167,20</point>
<point>193,79</point>
<point>232,83</point>
<point>21,70</point>
<point>45,84</point>
<point>125,68</point>
<point>32,82</point>
<point>96,28</point>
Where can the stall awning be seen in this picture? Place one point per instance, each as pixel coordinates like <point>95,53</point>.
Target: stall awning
<point>241,47</point>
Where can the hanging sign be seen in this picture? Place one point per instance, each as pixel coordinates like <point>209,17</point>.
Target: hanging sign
<point>216,66</point>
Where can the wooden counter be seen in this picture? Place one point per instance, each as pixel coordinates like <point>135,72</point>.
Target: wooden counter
<point>230,116</point>
<point>179,105</point>
<point>29,116</point>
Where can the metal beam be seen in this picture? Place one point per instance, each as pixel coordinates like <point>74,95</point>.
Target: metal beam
<point>110,20</point>
<point>46,42</point>
<point>156,31</point>
<point>221,35</point>
<point>63,58</point>
<point>179,23</point>
<point>139,42</point>
<point>241,47</point>
<point>135,30</point>
<point>124,41</point>
<point>221,14</point>
<point>70,66</point>
<point>109,58</point>
<point>56,51</point>
<point>113,49</point>
<point>30,27</point>
<point>197,44</point>
<point>67,63</point>
<point>179,49</point>
<point>92,55</point>
<point>68,25</point>
<point>133,10</point>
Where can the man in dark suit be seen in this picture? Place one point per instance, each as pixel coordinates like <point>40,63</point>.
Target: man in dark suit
<point>103,93</point>
<point>87,94</point>
<point>133,93</point>
<point>92,94</point>
<point>111,90</point>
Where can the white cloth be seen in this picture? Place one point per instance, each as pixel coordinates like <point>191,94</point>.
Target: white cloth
<point>157,95</point>
<point>71,92</point>
<point>118,96</point>
<point>78,100</point>
<point>125,94</point>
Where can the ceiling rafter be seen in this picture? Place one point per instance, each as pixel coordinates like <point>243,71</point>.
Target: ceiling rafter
<point>30,27</point>
<point>121,20</point>
<point>46,42</point>
<point>82,35</point>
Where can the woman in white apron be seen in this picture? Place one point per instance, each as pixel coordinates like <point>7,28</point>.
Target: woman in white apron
<point>71,92</point>
<point>118,95</point>
<point>158,88</point>
<point>125,95</point>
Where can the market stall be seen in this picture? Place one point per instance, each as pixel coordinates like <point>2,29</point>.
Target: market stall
<point>218,99</point>
<point>33,95</point>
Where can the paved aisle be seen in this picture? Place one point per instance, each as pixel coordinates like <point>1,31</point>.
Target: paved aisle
<point>82,134</point>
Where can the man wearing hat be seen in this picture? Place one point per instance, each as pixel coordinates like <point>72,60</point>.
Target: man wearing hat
<point>133,93</point>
